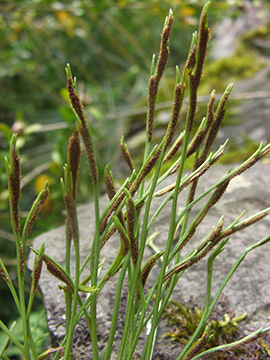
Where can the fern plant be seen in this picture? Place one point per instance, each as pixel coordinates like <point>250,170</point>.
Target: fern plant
<point>128,214</point>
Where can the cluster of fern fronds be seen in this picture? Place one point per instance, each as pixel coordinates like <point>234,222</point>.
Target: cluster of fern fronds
<point>128,214</point>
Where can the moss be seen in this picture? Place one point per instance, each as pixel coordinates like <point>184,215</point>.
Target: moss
<point>265,348</point>
<point>261,32</point>
<point>186,319</point>
<point>242,64</point>
<point>224,328</point>
<point>236,153</point>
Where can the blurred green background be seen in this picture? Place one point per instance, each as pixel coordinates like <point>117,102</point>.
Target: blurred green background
<point>109,45</point>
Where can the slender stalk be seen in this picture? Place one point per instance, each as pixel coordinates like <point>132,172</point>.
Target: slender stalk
<point>14,340</point>
<point>209,307</point>
<point>116,309</point>
<point>70,330</point>
<point>72,235</point>
<point>123,214</point>
<point>247,339</point>
<point>11,288</point>
<point>150,343</point>
<point>68,295</point>
<point>206,313</point>
<point>142,243</point>
<point>94,272</point>
<point>32,343</point>
<point>102,217</point>
<point>22,299</point>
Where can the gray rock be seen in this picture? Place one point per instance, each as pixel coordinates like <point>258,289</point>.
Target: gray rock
<point>249,288</point>
<point>228,31</point>
<point>253,112</point>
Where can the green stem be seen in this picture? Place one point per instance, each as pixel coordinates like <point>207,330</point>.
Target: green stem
<point>258,152</point>
<point>22,300</point>
<point>30,304</point>
<point>14,340</point>
<point>11,288</point>
<point>18,244</point>
<point>237,343</point>
<point>160,289</point>
<point>116,308</point>
<point>142,318</point>
<point>70,329</point>
<point>32,343</point>
<point>206,312</point>
<point>68,295</point>
<point>140,255</point>
<point>94,276</point>
<point>89,256</point>
<point>31,212</point>
<point>229,275</point>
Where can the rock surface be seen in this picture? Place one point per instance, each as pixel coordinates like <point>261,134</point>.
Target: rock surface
<point>253,112</point>
<point>248,290</point>
<point>229,30</point>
